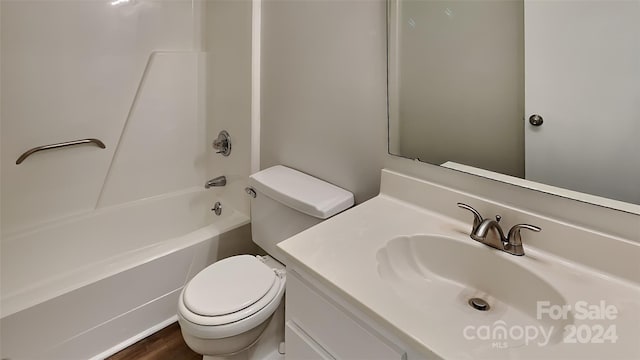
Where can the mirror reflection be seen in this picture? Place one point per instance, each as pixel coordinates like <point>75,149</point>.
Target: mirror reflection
<point>545,91</point>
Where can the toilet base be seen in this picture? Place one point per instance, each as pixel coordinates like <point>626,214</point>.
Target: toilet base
<point>265,347</point>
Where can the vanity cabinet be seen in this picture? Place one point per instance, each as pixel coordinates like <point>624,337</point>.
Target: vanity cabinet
<point>318,328</point>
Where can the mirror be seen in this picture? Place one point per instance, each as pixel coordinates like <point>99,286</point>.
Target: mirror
<point>541,94</point>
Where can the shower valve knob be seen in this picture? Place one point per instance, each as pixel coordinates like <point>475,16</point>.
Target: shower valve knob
<point>222,144</point>
<point>217,208</point>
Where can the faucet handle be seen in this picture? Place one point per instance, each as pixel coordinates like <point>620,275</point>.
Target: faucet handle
<point>514,238</point>
<point>477,218</point>
<point>515,230</point>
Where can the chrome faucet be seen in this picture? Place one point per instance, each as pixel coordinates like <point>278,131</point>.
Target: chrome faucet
<point>512,243</point>
<point>219,181</point>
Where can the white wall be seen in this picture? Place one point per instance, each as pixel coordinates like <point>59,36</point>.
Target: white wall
<point>323,91</point>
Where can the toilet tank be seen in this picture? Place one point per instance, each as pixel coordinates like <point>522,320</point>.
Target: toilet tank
<point>287,202</point>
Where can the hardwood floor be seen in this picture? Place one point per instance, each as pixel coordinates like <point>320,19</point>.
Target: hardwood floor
<point>166,344</point>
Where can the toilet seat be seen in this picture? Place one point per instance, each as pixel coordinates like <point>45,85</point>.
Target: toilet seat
<point>229,291</point>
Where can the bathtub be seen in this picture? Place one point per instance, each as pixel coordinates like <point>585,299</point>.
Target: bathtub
<point>89,285</point>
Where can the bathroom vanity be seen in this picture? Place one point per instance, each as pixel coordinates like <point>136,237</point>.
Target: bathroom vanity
<point>321,325</point>
<point>398,277</point>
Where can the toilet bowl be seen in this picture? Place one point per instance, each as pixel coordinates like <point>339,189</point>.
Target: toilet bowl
<point>228,307</point>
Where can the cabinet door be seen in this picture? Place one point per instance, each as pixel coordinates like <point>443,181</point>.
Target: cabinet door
<point>301,347</point>
<point>333,329</point>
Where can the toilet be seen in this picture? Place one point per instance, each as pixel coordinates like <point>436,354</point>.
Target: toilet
<point>227,309</point>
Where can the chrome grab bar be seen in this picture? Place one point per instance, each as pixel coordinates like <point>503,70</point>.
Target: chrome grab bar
<point>30,152</point>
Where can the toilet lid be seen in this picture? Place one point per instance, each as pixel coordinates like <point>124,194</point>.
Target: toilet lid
<point>228,286</point>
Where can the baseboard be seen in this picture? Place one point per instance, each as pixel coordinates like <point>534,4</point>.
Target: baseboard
<point>134,339</point>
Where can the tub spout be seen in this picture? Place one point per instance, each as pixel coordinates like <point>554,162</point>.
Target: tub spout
<point>219,181</point>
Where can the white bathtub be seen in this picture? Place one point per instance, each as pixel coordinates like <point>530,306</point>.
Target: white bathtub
<point>105,279</point>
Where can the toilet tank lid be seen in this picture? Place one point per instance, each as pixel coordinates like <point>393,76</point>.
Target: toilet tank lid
<point>301,192</point>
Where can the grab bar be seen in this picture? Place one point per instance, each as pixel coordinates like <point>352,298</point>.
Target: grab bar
<point>30,152</point>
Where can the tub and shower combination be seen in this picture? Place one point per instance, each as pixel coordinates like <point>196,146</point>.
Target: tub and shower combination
<point>98,241</point>
<point>89,285</point>
<point>85,285</point>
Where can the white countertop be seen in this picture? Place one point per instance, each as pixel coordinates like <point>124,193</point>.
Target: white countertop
<point>341,253</point>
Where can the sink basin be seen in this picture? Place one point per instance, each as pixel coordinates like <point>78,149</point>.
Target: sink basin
<point>439,276</point>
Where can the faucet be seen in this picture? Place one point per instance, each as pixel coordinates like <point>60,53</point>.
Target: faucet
<point>219,181</point>
<point>481,228</point>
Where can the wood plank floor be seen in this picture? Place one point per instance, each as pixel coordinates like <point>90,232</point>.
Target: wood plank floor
<point>166,344</point>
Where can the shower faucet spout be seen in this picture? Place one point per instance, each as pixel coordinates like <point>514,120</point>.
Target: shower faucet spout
<point>218,181</point>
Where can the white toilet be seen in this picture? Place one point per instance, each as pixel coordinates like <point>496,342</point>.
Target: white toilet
<point>224,310</point>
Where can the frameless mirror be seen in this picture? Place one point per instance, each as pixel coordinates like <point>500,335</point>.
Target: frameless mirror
<point>542,94</point>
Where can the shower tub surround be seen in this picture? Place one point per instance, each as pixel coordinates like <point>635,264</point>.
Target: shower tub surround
<point>93,284</point>
<point>79,281</point>
<point>97,243</point>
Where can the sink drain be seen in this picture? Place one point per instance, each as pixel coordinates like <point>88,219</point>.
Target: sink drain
<point>479,304</point>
